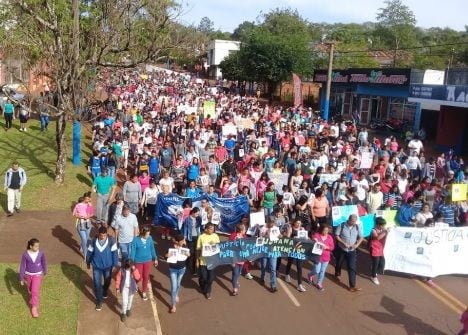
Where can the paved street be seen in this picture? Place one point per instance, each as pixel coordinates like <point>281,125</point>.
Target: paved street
<point>400,305</point>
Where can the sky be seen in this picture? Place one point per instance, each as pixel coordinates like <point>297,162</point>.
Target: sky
<point>228,14</point>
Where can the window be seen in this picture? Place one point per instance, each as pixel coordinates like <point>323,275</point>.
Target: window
<point>401,109</point>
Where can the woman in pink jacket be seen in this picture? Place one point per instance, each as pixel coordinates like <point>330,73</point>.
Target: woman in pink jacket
<point>326,242</point>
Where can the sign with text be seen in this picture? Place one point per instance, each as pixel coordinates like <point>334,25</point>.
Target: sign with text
<point>428,252</point>
<point>400,77</point>
<point>459,192</point>
<point>251,248</point>
<point>389,215</point>
<point>279,179</point>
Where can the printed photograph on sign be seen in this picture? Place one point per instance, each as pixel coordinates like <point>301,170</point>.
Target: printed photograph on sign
<point>214,249</point>
<point>259,241</point>
<point>274,234</point>
<point>257,219</point>
<point>303,234</point>
<point>317,249</point>
<point>206,250</point>
<point>216,218</point>
<point>336,211</point>
<point>185,252</point>
<point>172,256</point>
<point>252,231</point>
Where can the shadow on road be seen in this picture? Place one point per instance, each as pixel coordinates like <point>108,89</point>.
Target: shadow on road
<point>13,285</point>
<point>66,238</point>
<point>397,316</point>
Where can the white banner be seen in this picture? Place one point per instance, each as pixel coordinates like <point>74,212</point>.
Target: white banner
<point>428,252</point>
<point>366,160</point>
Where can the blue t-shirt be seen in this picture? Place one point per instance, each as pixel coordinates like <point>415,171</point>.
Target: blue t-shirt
<point>9,108</point>
<point>103,184</point>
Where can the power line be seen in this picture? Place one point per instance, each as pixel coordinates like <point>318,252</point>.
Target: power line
<point>408,48</point>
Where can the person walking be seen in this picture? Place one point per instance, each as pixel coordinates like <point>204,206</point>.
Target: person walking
<point>348,236</point>
<point>83,212</point>
<point>326,241</point>
<point>206,277</point>
<point>292,232</point>
<point>104,186</point>
<point>126,228</point>
<point>376,246</point>
<point>126,284</point>
<point>8,111</point>
<point>143,254</point>
<point>43,112</point>
<point>239,233</point>
<point>191,230</point>
<point>33,268</point>
<point>132,193</point>
<point>102,254</point>
<point>177,267</point>
<point>15,179</point>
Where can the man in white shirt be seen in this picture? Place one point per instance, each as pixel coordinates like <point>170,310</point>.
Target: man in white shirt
<point>362,186</point>
<point>415,145</point>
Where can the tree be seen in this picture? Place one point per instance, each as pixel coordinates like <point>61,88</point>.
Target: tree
<point>243,30</point>
<point>73,40</point>
<point>272,50</point>
<point>206,25</point>
<point>396,23</point>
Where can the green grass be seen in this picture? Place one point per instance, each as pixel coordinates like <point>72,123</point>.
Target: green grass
<point>36,153</point>
<point>58,304</point>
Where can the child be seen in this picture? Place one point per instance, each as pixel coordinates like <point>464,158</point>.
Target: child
<point>32,268</point>
<point>83,212</point>
<point>464,321</point>
<point>177,267</point>
<point>376,245</point>
<point>126,284</point>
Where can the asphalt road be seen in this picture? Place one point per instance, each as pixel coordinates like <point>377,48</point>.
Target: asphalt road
<point>401,304</point>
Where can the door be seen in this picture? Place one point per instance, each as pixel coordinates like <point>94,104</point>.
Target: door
<point>365,110</point>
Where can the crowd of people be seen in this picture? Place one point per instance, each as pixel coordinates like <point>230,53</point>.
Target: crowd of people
<point>156,135</point>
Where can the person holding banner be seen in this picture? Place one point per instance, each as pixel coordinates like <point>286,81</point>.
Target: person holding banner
<point>270,231</point>
<point>349,237</point>
<point>206,277</point>
<point>177,268</point>
<point>292,232</point>
<point>239,233</point>
<point>191,230</point>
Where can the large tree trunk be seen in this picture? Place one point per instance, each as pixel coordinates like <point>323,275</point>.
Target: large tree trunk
<point>61,149</point>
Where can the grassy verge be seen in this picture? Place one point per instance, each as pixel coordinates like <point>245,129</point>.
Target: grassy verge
<point>58,307</point>
<point>36,153</point>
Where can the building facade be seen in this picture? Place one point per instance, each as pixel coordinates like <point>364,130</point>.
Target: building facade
<point>218,50</point>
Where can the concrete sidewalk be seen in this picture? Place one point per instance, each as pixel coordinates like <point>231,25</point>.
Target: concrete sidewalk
<point>60,242</point>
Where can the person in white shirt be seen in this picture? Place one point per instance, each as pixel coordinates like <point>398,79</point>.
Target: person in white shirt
<point>415,145</point>
<point>414,164</point>
<point>166,183</point>
<point>148,201</point>
<point>362,186</point>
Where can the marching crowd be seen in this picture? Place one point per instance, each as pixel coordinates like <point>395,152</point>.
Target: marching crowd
<point>157,134</point>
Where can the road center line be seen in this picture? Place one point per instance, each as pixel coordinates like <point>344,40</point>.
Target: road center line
<point>450,297</point>
<point>289,293</point>
<point>441,298</point>
<point>155,310</point>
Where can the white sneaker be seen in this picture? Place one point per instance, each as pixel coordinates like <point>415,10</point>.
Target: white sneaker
<point>248,276</point>
<point>145,296</point>
<point>287,278</point>
<point>163,237</point>
<point>301,288</point>
<point>375,280</point>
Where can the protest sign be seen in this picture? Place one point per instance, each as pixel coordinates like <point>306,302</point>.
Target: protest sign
<point>459,192</point>
<point>169,208</point>
<point>328,178</point>
<point>389,215</point>
<point>229,130</point>
<point>367,223</point>
<point>251,248</point>
<point>366,160</point>
<point>279,179</point>
<point>245,123</point>
<point>341,214</point>
<point>428,252</point>
<point>209,108</point>
<point>257,219</point>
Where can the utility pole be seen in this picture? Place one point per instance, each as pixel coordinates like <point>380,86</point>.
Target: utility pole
<point>326,107</point>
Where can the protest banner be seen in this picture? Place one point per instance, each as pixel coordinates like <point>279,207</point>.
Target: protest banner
<point>251,248</point>
<point>367,223</point>
<point>209,108</point>
<point>459,192</point>
<point>231,210</point>
<point>279,179</point>
<point>245,123</point>
<point>328,178</point>
<point>428,252</point>
<point>297,90</point>
<point>389,215</point>
<point>366,160</point>
<point>229,130</point>
<point>341,214</point>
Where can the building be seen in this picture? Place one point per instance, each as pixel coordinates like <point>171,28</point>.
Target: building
<point>217,51</point>
<point>368,94</point>
<point>451,101</point>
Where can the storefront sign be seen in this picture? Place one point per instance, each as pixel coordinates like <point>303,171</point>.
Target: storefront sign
<point>444,93</point>
<point>399,77</point>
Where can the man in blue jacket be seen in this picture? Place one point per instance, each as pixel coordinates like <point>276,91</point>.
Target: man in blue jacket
<point>102,253</point>
<point>406,214</point>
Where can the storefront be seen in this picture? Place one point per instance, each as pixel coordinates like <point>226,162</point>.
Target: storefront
<point>370,94</point>
<point>452,103</point>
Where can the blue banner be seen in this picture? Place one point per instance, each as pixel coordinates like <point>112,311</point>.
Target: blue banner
<point>169,210</point>
<point>368,223</point>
